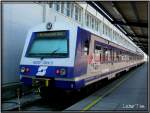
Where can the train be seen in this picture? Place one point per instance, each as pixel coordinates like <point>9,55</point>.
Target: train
<point>71,57</point>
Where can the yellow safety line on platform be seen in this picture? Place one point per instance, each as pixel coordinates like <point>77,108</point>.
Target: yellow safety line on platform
<point>99,98</point>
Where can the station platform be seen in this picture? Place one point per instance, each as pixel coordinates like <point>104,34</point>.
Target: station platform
<point>128,93</point>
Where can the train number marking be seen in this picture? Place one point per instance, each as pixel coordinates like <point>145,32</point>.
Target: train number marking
<point>42,70</point>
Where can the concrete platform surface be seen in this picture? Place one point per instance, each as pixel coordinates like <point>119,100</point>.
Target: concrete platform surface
<point>128,93</point>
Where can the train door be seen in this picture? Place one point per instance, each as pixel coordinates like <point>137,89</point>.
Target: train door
<point>82,52</point>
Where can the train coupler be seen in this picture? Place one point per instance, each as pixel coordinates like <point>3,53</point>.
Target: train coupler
<point>36,86</point>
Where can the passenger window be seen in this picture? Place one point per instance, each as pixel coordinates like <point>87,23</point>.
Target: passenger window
<point>115,56</point>
<point>120,56</point>
<point>86,47</point>
<point>111,55</point>
<point>107,55</point>
<point>98,53</point>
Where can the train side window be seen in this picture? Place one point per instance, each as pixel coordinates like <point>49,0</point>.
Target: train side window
<point>98,53</point>
<point>121,56</point>
<point>107,55</point>
<point>115,55</point>
<point>101,54</point>
<point>111,55</point>
<point>86,47</point>
<point>118,56</point>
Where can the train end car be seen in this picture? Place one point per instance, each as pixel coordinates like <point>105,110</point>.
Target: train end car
<point>52,56</point>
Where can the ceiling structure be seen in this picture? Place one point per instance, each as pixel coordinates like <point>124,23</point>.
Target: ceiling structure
<point>131,17</point>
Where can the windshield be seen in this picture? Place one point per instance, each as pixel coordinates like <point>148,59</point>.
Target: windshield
<point>51,44</point>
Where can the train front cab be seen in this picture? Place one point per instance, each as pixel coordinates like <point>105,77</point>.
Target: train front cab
<point>54,61</point>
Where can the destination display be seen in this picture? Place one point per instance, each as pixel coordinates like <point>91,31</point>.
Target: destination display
<point>51,34</point>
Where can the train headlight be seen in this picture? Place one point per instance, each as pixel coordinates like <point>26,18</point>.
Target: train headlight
<point>61,71</point>
<point>22,69</point>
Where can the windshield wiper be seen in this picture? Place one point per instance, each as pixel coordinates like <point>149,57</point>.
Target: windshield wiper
<point>55,51</point>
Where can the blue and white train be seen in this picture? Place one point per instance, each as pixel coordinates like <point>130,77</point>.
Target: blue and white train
<point>69,55</point>
<point>71,58</point>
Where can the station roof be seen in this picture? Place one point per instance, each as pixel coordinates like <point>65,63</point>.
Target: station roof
<point>131,17</point>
